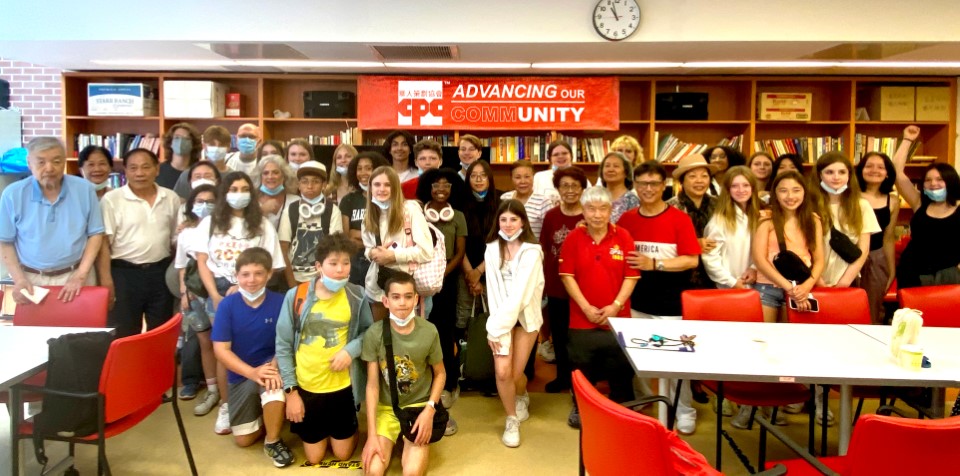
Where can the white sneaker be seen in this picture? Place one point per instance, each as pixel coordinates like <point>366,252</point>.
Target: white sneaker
<point>742,420</point>
<point>546,351</point>
<point>210,400</point>
<point>523,407</point>
<point>448,398</point>
<point>687,425</point>
<point>781,418</point>
<point>792,408</point>
<point>830,419</point>
<point>511,434</point>
<point>222,426</point>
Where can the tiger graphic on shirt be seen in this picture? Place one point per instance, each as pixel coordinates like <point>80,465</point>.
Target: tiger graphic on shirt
<point>407,374</point>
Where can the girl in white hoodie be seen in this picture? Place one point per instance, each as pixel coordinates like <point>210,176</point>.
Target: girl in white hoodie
<point>515,288</point>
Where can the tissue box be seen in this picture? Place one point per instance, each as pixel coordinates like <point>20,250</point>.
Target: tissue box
<point>194,99</point>
<point>121,99</point>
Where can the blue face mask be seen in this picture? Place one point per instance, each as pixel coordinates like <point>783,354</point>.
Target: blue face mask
<point>939,195</point>
<point>246,145</point>
<point>102,185</point>
<point>314,200</point>
<point>831,190</point>
<point>364,187</point>
<point>273,192</point>
<point>202,210</point>
<point>382,205</point>
<point>333,285</point>
<point>341,170</point>
<point>480,195</point>
<point>464,165</point>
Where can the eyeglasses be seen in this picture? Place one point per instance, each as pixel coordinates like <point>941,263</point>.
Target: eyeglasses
<point>571,187</point>
<point>478,177</point>
<point>653,184</point>
<point>440,186</point>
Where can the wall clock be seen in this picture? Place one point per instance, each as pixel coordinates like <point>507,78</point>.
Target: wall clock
<point>616,20</point>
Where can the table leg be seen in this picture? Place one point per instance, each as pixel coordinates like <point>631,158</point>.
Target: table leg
<point>663,390</point>
<point>846,419</point>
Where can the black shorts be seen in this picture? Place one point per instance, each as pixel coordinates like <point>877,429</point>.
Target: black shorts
<point>326,414</point>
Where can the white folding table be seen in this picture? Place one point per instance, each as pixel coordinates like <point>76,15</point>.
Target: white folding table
<point>822,354</point>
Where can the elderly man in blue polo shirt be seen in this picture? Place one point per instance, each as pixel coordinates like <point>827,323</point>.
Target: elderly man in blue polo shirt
<point>51,227</point>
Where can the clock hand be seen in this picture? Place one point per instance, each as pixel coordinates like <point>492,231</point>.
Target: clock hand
<point>613,8</point>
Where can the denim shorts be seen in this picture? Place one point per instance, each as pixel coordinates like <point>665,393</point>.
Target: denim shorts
<point>770,295</point>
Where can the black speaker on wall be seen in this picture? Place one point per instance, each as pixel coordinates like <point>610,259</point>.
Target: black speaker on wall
<point>4,94</point>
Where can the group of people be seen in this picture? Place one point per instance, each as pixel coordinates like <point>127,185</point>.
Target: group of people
<point>287,273</point>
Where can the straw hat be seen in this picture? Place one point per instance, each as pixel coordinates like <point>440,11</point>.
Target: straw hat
<point>312,167</point>
<point>691,162</point>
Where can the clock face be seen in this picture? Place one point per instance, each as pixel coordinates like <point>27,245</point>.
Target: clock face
<point>616,20</point>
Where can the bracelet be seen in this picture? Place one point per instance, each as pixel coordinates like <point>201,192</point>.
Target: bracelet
<point>911,140</point>
<point>618,303</point>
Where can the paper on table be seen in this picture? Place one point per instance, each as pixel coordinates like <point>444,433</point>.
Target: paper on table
<point>38,294</point>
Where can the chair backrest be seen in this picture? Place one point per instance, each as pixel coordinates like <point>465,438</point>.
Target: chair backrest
<point>893,445</point>
<point>939,304</point>
<point>139,369</point>
<point>616,440</point>
<point>837,306</point>
<point>741,305</point>
<point>87,309</point>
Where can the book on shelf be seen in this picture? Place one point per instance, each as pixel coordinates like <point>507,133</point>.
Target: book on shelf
<point>342,137</point>
<point>513,148</point>
<point>864,143</point>
<point>586,149</point>
<point>671,148</point>
<point>808,148</point>
<point>119,143</point>
<point>445,140</point>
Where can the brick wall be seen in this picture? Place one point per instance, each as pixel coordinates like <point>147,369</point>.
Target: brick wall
<point>35,91</point>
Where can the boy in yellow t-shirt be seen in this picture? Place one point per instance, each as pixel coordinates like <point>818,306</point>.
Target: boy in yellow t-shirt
<point>319,339</point>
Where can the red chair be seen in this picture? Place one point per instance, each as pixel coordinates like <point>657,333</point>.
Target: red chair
<point>740,305</point>
<point>909,446</point>
<point>127,394</point>
<point>616,441</point>
<point>87,309</point>
<point>939,304</point>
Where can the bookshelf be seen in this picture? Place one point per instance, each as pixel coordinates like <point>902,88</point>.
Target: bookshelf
<point>732,111</point>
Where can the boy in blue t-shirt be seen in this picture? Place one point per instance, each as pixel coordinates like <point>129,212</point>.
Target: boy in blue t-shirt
<point>244,334</point>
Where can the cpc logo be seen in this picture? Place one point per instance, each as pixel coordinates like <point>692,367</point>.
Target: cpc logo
<point>420,103</point>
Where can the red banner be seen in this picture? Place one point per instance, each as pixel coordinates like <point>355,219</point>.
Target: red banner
<point>489,103</point>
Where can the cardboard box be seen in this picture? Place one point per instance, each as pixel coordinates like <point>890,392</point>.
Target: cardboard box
<point>933,103</point>
<point>121,99</point>
<point>194,99</point>
<point>892,103</point>
<point>785,107</point>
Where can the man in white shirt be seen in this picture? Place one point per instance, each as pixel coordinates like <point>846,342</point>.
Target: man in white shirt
<point>139,220</point>
<point>245,159</point>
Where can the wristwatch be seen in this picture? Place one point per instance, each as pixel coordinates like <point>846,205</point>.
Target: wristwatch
<point>291,389</point>
<point>660,266</point>
<point>432,404</point>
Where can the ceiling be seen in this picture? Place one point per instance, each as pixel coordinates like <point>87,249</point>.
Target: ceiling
<point>236,56</point>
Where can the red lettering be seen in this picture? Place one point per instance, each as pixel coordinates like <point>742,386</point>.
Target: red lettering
<point>417,108</point>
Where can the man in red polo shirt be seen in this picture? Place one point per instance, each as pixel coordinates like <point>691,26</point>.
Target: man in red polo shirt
<point>599,280</point>
<point>428,155</point>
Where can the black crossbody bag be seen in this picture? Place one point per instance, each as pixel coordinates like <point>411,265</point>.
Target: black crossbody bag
<point>788,264</point>
<point>408,416</point>
<point>844,246</point>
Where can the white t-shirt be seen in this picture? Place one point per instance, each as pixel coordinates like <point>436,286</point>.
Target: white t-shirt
<point>234,163</point>
<point>185,251</point>
<point>408,174</point>
<point>834,265</point>
<point>224,249</point>
<point>543,184</point>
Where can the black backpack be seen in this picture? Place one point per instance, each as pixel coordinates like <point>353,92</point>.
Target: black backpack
<point>74,365</point>
<point>294,213</point>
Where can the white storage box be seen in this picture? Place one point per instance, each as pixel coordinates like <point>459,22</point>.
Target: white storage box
<point>121,99</point>
<point>194,99</point>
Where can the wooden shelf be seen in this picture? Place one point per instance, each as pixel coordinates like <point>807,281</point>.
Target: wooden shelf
<point>732,109</point>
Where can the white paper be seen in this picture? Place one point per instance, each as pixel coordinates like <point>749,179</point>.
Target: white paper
<point>38,294</point>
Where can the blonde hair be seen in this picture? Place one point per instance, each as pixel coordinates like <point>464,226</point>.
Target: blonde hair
<point>629,143</point>
<point>726,210</point>
<point>395,213</point>
<point>334,183</point>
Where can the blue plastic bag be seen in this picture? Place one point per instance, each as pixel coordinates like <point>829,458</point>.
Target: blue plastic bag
<point>14,161</point>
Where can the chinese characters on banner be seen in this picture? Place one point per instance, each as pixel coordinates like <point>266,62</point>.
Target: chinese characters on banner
<point>489,103</point>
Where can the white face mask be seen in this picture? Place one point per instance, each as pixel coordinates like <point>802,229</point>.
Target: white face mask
<point>402,322</point>
<point>382,204</point>
<point>254,295</point>
<point>102,185</point>
<point>511,238</point>
<point>364,187</point>
<point>341,170</point>
<point>238,200</point>
<point>830,189</point>
<point>202,181</point>
<point>294,165</point>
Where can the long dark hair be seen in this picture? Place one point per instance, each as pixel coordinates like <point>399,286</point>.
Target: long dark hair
<point>887,185</point>
<point>951,181</point>
<point>806,217</point>
<point>223,212</point>
<point>515,207</point>
<point>376,159</point>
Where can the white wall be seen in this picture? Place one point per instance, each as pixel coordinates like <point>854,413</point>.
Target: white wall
<point>473,21</point>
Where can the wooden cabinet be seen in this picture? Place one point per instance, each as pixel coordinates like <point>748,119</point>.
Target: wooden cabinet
<point>732,110</point>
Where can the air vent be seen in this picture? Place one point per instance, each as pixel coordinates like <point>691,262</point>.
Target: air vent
<point>255,51</point>
<point>416,52</point>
